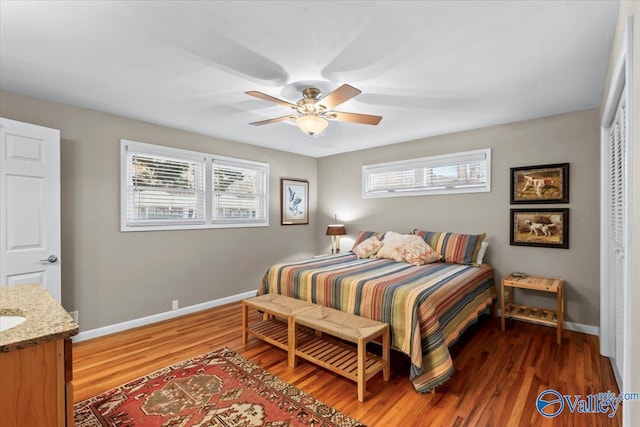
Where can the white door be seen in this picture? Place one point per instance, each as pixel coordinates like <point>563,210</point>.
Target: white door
<point>30,205</point>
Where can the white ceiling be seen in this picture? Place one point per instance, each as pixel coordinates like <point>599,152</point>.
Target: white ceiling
<point>428,68</point>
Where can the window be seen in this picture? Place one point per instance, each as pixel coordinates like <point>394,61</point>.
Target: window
<point>467,172</point>
<point>238,192</point>
<point>164,189</point>
<point>167,188</point>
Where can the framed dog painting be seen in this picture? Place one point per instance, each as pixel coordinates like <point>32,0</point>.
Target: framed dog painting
<point>548,228</point>
<point>294,201</point>
<point>540,184</point>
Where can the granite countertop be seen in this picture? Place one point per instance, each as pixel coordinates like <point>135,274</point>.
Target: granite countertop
<point>46,319</point>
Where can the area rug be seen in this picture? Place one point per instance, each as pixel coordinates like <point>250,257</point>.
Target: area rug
<point>220,388</point>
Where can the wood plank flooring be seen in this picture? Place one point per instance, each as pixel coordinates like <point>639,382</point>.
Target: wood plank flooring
<point>498,374</point>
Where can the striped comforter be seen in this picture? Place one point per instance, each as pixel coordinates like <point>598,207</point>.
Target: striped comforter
<point>427,307</point>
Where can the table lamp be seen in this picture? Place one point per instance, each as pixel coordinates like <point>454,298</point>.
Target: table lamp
<point>335,231</point>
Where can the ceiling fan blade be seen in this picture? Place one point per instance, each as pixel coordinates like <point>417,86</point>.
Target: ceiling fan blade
<point>364,119</point>
<point>338,96</point>
<point>266,122</point>
<point>271,99</point>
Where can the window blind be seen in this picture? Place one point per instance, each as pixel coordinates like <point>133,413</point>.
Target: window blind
<point>239,192</point>
<point>451,173</point>
<point>163,189</point>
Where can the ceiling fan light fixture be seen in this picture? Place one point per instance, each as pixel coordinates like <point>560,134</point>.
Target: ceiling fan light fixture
<point>311,124</point>
<point>312,115</point>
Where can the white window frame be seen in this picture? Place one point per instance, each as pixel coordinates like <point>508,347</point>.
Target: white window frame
<point>208,160</point>
<point>257,167</point>
<point>432,161</point>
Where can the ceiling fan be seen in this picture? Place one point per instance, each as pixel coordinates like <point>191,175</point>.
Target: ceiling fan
<point>312,112</point>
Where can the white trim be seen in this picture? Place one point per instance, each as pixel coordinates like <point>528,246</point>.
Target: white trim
<point>618,377</point>
<point>154,318</point>
<point>143,321</point>
<point>582,328</point>
<point>626,346</point>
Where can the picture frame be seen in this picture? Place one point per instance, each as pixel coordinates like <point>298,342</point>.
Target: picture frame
<point>294,201</point>
<point>548,228</point>
<point>540,184</point>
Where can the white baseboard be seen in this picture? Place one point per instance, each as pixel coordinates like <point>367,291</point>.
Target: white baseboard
<point>123,326</point>
<point>130,324</point>
<point>581,327</point>
<point>571,326</point>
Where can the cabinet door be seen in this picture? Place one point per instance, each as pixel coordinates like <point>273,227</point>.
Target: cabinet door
<point>68,378</point>
<point>32,386</point>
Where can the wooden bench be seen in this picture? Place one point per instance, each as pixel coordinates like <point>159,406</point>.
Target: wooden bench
<point>309,331</point>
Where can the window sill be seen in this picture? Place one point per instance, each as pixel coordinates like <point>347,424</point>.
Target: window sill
<point>127,228</point>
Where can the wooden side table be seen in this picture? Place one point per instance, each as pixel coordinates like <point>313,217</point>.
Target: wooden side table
<point>533,314</point>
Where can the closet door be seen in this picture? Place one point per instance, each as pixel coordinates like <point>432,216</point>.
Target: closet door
<point>617,223</point>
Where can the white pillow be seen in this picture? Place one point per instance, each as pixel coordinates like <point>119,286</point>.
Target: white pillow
<point>481,252</point>
<point>391,235</point>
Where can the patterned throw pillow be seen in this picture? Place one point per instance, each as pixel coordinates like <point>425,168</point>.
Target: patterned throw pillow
<point>364,235</point>
<point>454,248</point>
<point>418,252</point>
<point>392,241</point>
<point>367,248</point>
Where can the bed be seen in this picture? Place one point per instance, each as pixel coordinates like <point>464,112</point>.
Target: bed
<point>426,306</point>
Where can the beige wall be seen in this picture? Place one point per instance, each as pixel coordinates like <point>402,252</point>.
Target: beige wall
<point>632,9</point>
<point>572,138</point>
<point>112,277</point>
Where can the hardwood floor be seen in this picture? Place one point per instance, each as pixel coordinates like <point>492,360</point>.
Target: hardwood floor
<point>498,374</point>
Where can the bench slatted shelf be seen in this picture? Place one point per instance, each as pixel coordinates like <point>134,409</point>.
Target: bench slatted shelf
<point>337,356</point>
<point>273,331</point>
<point>318,334</point>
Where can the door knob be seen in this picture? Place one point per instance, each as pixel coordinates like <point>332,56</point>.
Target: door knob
<point>51,259</point>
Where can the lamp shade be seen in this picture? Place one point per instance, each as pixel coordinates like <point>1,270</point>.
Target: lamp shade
<point>311,124</point>
<point>336,230</point>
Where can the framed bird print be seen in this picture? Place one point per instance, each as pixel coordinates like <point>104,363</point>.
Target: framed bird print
<point>294,201</point>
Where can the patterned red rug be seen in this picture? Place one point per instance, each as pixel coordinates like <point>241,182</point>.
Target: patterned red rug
<point>220,388</point>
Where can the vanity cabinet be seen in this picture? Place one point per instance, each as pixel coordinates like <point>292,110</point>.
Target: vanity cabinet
<point>36,387</point>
